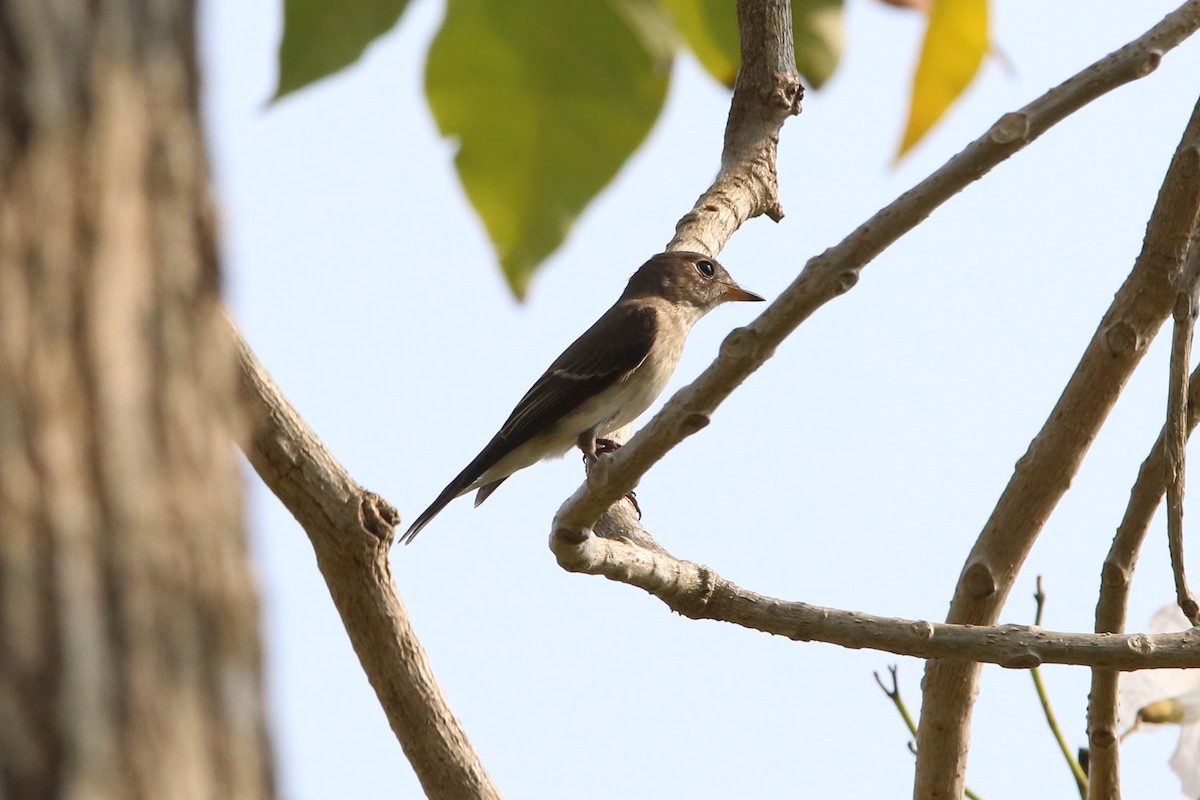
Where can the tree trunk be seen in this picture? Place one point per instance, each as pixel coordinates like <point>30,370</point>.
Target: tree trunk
<point>129,647</point>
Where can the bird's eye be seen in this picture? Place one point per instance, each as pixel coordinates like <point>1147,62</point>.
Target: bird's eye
<point>706,268</point>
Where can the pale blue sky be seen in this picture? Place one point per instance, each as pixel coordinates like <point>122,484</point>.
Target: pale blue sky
<point>854,470</point>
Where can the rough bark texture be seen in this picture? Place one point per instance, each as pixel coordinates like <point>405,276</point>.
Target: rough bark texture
<point>130,663</point>
<point>351,531</point>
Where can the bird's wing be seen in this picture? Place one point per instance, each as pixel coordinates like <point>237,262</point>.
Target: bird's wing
<point>593,362</point>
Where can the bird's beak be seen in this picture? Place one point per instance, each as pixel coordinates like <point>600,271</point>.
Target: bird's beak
<point>736,293</point>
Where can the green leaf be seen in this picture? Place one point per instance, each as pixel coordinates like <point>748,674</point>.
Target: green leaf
<point>321,37</point>
<point>955,44</point>
<point>547,100</point>
<point>710,29</point>
<point>652,24</point>
<point>817,29</point>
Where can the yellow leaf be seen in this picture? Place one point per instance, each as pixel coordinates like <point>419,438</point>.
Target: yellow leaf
<point>955,43</point>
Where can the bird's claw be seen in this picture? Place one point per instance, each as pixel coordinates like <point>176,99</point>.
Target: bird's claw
<point>600,447</point>
<point>632,497</point>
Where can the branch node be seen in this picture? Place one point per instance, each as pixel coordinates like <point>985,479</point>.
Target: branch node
<point>1012,127</point>
<point>1185,304</point>
<point>708,585</point>
<point>1139,644</point>
<point>1149,63</point>
<point>569,536</point>
<point>694,422</point>
<point>741,344</point>
<point>978,580</point>
<point>922,629</point>
<point>1025,660</point>
<point>1114,575</point>
<point>379,518</point>
<point>1122,339</point>
<point>788,92</point>
<point>1191,610</point>
<point>846,281</point>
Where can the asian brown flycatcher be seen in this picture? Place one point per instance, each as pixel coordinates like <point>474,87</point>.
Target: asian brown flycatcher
<point>606,378</point>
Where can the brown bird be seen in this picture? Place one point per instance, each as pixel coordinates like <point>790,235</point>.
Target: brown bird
<point>606,378</point>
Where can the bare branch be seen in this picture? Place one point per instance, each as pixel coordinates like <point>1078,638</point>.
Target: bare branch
<point>766,93</point>
<point>1115,581</point>
<point>1187,283</point>
<point>902,707</point>
<point>836,270</point>
<point>695,591</point>
<point>1044,473</point>
<point>351,531</point>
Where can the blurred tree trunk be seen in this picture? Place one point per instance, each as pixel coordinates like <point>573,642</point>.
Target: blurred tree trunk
<point>129,647</point>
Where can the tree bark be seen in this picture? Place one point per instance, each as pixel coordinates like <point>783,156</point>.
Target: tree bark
<point>130,661</point>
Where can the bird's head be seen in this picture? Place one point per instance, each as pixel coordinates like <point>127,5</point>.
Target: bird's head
<point>684,278</point>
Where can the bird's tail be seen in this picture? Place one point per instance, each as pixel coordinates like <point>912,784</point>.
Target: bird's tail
<point>461,484</point>
<point>449,493</point>
<point>486,490</point>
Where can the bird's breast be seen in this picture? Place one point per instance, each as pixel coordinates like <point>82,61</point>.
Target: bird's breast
<point>638,391</point>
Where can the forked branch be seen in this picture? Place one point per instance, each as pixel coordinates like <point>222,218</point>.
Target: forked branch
<point>1187,283</point>
<point>351,531</point>
<point>1044,473</point>
<point>837,269</point>
<point>1116,577</point>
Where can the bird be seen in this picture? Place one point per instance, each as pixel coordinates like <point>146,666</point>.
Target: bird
<point>605,379</point>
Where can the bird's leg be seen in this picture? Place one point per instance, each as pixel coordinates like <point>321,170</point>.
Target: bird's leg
<point>587,443</point>
<point>593,447</point>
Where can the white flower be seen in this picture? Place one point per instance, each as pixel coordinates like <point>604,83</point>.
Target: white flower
<point>1155,697</point>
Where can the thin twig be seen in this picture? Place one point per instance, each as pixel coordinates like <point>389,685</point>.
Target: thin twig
<point>1187,283</point>
<point>1081,780</point>
<point>351,531</point>
<point>1116,579</point>
<point>898,701</point>
<point>902,707</point>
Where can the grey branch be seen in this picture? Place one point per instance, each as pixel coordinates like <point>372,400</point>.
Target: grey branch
<point>1116,578</point>
<point>1187,282</point>
<point>351,531</point>
<point>695,591</point>
<point>766,94</point>
<point>1153,479</point>
<point>836,270</point>
<point>1043,475</point>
